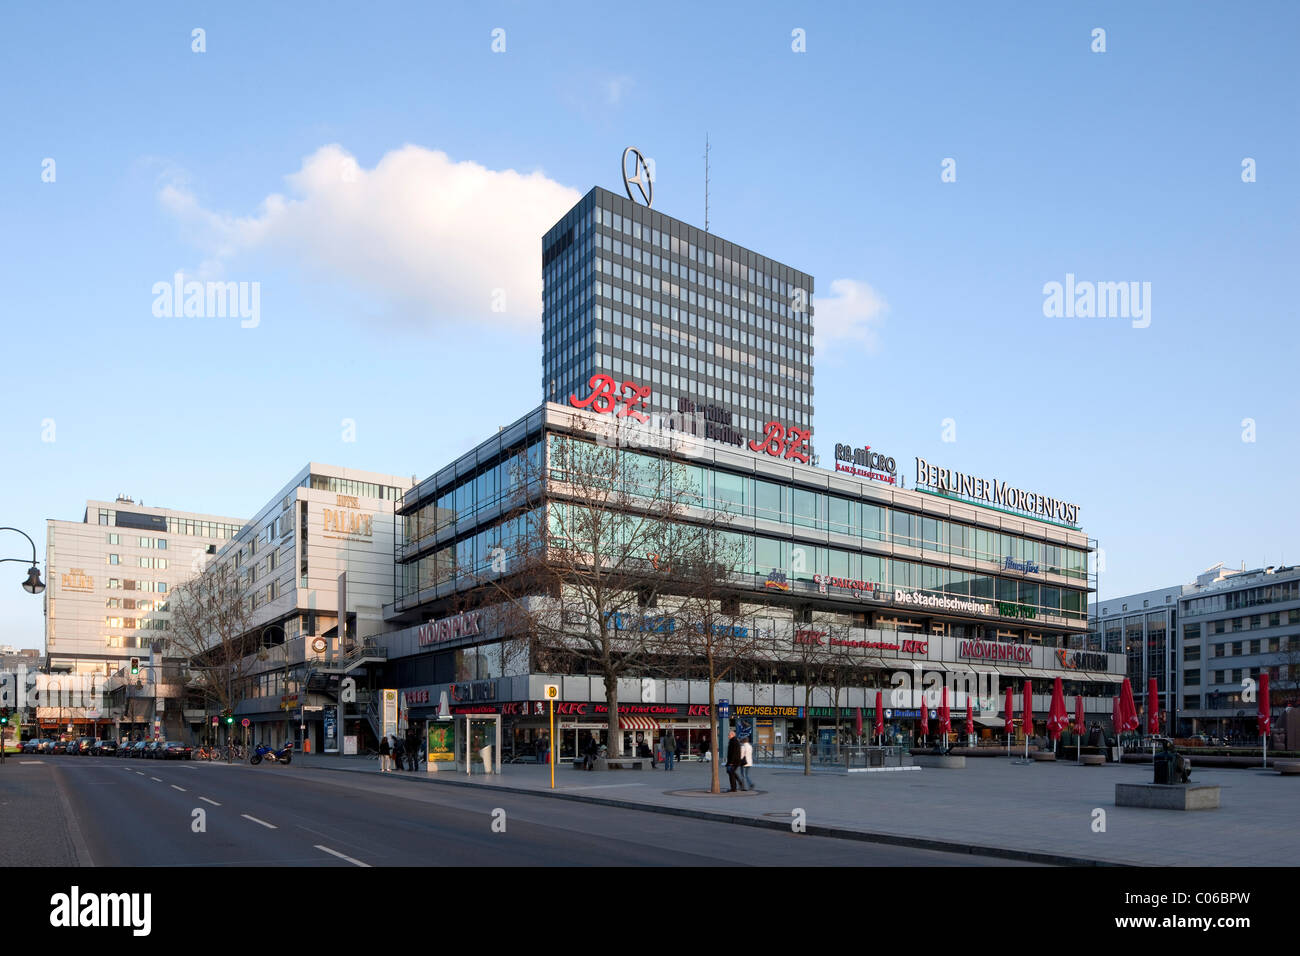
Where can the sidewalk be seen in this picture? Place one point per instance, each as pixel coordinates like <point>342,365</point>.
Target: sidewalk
<point>1042,812</point>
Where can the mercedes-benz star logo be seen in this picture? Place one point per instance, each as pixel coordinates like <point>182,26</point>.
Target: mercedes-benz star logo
<point>640,176</point>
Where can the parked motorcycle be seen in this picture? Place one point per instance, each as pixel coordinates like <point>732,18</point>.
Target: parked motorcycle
<point>283,755</point>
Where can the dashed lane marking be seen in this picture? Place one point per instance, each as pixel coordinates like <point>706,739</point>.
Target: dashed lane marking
<point>269,826</point>
<point>342,856</point>
<point>181,789</point>
<point>213,802</point>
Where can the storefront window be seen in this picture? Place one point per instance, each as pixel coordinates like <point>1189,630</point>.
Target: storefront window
<point>767,501</point>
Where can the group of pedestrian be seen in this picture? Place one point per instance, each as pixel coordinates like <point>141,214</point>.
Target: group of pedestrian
<point>396,753</point>
<point>740,757</point>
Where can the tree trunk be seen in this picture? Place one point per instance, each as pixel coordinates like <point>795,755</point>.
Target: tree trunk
<point>611,702</point>
<point>714,786</point>
<point>807,728</point>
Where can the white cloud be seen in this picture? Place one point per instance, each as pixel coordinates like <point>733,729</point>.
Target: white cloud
<point>418,232</point>
<point>852,313</point>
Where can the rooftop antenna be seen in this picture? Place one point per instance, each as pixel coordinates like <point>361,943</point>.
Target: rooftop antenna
<point>706,182</point>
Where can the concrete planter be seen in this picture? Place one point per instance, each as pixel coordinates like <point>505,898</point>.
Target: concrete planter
<point>1043,755</point>
<point>1160,796</point>
<point>942,761</point>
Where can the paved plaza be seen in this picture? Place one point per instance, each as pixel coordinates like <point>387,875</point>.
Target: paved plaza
<point>1043,810</point>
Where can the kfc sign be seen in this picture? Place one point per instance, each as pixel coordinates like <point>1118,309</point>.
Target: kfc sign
<point>450,628</point>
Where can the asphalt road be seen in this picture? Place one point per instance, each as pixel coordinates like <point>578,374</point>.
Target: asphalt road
<point>135,812</point>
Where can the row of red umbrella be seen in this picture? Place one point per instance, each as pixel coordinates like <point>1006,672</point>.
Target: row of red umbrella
<point>1125,715</point>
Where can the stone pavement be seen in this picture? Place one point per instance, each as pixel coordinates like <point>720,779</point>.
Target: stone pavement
<point>1042,812</point>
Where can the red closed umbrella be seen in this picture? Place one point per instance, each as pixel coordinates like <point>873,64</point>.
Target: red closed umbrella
<point>1128,710</point>
<point>1010,718</point>
<point>857,721</point>
<point>924,729</point>
<point>945,715</point>
<point>970,718</point>
<point>1027,716</point>
<point>1153,707</point>
<point>1057,718</point>
<point>880,713</point>
<point>1117,714</point>
<point>1079,726</point>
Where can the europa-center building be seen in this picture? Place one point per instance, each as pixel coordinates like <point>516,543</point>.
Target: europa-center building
<point>958,574</point>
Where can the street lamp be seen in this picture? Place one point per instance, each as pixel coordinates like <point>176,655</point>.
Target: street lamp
<point>33,584</point>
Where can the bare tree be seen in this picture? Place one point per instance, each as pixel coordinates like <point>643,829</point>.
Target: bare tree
<point>711,636</point>
<point>210,618</point>
<point>583,571</point>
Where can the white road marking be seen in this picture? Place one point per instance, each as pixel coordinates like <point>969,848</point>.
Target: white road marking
<point>606,786</point>
<point>156,779</point>
<point>213,802</point>
<point>342,856</point>
<point>139,773</point>
<point>269,826</point>
<point>181,789</point>
<point>28,763</point>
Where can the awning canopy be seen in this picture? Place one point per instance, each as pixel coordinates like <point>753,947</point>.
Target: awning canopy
<point>633,722</point>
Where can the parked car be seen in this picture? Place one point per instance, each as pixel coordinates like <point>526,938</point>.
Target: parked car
<point>138,748</point>
<point>175,750</point>
<point>81,746</point>
<point>58,747</point>
<point>104,748</point>
<point>124,748</point>
<point>32,746</point>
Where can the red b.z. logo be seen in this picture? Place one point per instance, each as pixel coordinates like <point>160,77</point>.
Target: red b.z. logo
<point>780,442</point>
<point>605,397</point>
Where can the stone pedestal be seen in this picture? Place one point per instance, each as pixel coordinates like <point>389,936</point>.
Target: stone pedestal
<point>944,761</point>
<point>1093,760</point>
<point>1042,755</point>
<point>1161,796</point>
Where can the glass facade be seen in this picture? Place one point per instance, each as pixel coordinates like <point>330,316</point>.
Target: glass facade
<point>859,537</point>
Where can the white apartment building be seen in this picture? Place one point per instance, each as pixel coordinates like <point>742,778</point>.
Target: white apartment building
<point>108,578</point>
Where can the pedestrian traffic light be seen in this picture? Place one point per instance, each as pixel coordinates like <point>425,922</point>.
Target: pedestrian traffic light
<point>229,718</point>
<point>4,715</point>
<point>135,665</point>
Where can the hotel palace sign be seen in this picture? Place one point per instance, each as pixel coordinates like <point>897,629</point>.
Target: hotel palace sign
<point>77,580</point>
<point>341,522</point>
<point>995,492</point>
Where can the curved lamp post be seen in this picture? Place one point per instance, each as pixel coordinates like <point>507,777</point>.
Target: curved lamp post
<point>33,584</point>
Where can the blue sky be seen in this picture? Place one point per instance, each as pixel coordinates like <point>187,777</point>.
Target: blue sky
<point>1117,166</point>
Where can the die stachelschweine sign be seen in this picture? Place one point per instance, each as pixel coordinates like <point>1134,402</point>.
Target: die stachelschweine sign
<point>994,492</point>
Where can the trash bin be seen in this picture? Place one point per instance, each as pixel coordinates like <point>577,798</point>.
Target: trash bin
<point>486,756</point>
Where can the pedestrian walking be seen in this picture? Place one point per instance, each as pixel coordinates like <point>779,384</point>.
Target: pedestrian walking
<point>399,752</point>
<point>733,759</point>
<point>383,754</point>
<point>670,750</point>
<point>746,761</point>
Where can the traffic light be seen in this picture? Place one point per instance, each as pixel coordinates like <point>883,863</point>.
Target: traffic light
<point>4,716</point>
<point>135,665</point>
<point>228,717</point>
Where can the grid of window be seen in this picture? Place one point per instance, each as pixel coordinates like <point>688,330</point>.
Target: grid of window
<point>670,307</point>
<point>348,486</point>
<point>203,529</point>
<point>1245,597</point>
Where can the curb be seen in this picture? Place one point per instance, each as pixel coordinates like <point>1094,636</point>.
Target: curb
<point>837,833</point>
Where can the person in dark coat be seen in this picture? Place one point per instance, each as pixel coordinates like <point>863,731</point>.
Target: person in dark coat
<point>383,754</point>
<point>733,760</point>
<point>399,752</point>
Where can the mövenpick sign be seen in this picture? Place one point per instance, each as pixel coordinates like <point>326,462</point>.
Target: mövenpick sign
<point>995,492</point>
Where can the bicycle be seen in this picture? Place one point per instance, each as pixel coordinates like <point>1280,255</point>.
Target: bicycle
<point>208,753</point>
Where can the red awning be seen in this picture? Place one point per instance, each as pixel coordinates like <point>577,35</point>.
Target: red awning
<point>631,722</point>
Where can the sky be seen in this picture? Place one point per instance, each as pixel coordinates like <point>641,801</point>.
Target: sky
<point>381,175</point>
